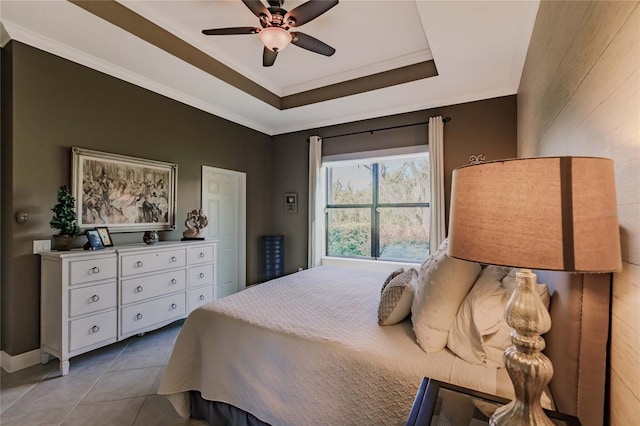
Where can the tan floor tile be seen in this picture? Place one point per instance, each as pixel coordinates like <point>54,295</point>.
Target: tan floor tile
<point>56,392</point>
<point>38,418</point>
<point>93,362</point>
<point>39,395</point>
<point>14,385</point>
<point>110,413</point>
<point>156,383</point>
<point>116,385</point>
<point>140,354</point>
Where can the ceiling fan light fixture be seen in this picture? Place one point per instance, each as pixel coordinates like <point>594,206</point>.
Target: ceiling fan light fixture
<point>275,38</point>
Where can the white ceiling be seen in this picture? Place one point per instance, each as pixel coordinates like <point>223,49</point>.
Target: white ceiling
<point>479,48</point>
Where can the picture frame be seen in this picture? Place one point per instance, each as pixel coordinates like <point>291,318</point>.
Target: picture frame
<point>290,202</point>
<point>103,231</point>
<point>125,194</point>
<point>95,242</point>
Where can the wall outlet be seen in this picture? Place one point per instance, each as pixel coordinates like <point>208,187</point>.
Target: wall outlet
<point>41,245</point>
<point>300,269</point>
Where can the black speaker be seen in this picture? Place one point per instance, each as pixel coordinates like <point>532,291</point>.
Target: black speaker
<point>272,256</point>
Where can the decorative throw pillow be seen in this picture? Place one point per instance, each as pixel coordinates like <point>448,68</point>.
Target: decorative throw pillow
<point>396,298</point>
<point>479,316</point>
<point>443,282</point>
<point>390,277</point>
<point>496,343</point>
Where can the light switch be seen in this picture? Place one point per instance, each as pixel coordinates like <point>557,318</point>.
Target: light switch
<point>41,245</point>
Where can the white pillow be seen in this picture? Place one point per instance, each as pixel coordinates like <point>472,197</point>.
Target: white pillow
<point>443,282</point>
<point>396,298</point>
<point>496,343</point>
<point>478,316</point>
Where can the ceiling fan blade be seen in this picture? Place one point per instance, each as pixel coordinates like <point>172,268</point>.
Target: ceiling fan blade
<point>231,31</point>
<point>268,57</point>
<point>310,43</point>
<point>257,8</point>
<point>308,11</point>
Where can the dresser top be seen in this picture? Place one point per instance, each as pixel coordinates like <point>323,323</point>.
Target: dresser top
<point>79,252</point>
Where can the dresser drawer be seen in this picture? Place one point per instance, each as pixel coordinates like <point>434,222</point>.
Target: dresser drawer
<point>86,271</point>
<point>198,255</point>
<point>145,314</point>
<point>91,330</point>
<point>199,296</point>
<point>139,263</point>
<point>91,299</point>
<point>138,289</point>
<point>201,275</point>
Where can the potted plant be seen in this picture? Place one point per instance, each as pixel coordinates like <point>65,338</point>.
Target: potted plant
<point>64,218</point>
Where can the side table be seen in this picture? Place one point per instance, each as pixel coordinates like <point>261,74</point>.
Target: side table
<point>442,403</point>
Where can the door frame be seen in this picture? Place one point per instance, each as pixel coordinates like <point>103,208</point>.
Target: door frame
<point>242,218</point>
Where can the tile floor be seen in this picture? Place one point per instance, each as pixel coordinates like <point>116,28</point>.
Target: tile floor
<point>112,386</point>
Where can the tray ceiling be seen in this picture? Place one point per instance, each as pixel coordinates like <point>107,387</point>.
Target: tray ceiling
<point>391,56</point>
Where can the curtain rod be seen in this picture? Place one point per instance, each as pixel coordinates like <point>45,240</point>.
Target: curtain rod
<point>444,120</point>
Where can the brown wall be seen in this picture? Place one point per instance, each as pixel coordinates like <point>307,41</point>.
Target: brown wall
<point>57,104</point>
<point>580,95</point>
<point>485,127</point>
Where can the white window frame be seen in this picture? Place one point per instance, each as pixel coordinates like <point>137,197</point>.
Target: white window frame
<point>357,158</point>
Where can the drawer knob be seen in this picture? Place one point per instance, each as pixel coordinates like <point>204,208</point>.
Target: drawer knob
<point>174,259</point>
<point>174,306</point>
<point>201,275</point>
<point>201,298</point>
<point>95,270</point>
<point>201,254</point>
<point>139,289</point>
<point>94,329</point>
<point>139,264</point>
<point>173,282</point>
<point>138,317</point>
<point>94,298</point>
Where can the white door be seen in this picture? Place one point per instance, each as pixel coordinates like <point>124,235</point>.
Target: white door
<point>224,201</point>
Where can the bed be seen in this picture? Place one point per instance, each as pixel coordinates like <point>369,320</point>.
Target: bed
<point>307,349</point>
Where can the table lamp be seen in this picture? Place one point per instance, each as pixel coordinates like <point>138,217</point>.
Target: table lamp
<point>552,213</point>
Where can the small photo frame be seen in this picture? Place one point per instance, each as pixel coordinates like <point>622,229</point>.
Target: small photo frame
<point>105,236</point>
<point>95,242</point>
<point>291,202</point>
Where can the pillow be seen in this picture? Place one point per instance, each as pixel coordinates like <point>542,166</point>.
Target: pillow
<point>478,316</point>
<point>390,277</point>
<point>396,298</point>
<point>442,284</point>
<point>501,340</point>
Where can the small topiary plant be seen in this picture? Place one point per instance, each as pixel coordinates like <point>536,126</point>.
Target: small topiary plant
<point>64,213</point>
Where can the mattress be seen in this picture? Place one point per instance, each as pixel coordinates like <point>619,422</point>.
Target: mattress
<point>307,349</point>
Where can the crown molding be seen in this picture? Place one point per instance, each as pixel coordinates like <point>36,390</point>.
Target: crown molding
<point>23,35</point>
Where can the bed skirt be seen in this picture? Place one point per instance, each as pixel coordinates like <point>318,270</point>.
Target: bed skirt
<point>220,414</point>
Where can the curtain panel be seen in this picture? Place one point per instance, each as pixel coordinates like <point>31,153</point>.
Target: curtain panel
<point>316,203</point>
<point>437,230</point>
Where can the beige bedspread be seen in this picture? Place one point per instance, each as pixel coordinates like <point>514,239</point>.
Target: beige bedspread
<point>306,349</point>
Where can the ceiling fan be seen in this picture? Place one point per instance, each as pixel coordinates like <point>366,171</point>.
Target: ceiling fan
<point>276,22</point>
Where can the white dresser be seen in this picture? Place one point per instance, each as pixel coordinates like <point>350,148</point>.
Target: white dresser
<point>90,299</point>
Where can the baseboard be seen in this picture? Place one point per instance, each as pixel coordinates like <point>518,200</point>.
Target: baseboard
<point>18,362</point>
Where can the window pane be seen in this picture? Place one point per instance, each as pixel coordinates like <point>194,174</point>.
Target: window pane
<point>404,181</point>
<point>349,232</point>
<point>404,233</point>
<point>350,184</point>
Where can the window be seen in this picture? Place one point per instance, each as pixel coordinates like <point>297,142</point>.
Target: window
<point>379,209</point>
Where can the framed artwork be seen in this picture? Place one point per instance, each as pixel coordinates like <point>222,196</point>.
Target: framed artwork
<point>103,231</point>
<point>291,202</point>
<point>95,242</point>
<point>123,193</point>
